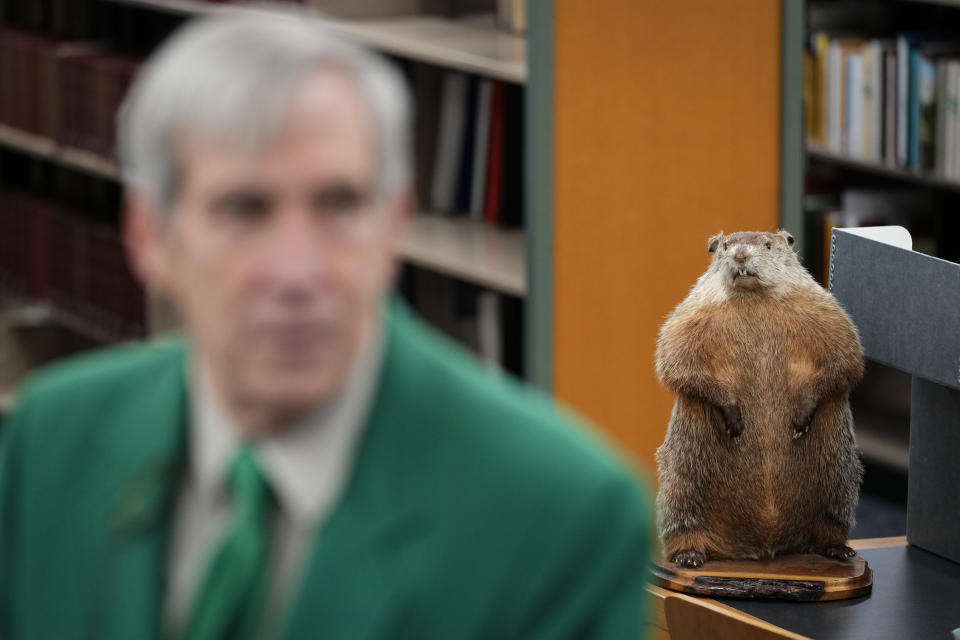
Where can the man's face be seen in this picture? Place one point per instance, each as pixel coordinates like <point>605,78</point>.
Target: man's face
<point>279,261</point>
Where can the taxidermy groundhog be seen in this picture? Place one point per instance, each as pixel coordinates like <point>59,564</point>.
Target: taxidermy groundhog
<point>759,457</point>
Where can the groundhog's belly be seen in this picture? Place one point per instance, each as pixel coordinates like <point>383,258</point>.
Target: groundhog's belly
<point>773,488</point>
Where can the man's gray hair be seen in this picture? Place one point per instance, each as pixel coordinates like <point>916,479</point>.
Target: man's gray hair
<point>232,77</point>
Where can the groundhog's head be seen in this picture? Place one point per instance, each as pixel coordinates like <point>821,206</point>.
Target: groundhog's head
<point>754,260</point>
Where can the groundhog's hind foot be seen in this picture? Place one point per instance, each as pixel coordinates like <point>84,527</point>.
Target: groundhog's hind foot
<point>835,551</point>
<point>688,558</point>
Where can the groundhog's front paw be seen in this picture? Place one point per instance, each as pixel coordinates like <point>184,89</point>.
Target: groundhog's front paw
<point>802,418</point>
<point>733,419</point>
<point>688,558</point>
<point>835,551</point>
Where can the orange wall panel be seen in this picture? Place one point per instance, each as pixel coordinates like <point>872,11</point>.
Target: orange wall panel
<point>667,131</point>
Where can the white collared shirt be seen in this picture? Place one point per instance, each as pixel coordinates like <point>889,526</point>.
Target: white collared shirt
<point>307,466</point>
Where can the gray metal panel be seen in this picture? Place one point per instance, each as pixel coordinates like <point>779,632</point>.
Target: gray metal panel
<point>793,23</point>
<point>538,329</point>
<point>906,305</point>
<point>933,499</point>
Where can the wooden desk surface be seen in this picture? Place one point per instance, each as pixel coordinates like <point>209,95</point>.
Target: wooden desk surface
<point>915,595</point>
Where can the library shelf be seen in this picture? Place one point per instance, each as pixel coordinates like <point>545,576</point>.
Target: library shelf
<point>48,149</point>
<point>818,153</point>
<point>470,250</point>
<point>471,45</point>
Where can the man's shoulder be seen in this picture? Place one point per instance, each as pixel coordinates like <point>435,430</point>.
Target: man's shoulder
<point>89,377</point>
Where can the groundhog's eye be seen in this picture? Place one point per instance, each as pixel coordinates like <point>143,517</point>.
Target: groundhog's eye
<point>724,246</point>
<point>769,245</point>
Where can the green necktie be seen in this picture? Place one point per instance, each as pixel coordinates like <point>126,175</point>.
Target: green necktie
<point>231,598</point>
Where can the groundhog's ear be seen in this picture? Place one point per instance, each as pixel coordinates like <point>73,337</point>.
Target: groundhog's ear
<point>786,236</point>
<point>714,241</point>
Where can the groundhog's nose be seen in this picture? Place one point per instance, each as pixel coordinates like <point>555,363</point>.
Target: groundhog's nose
<point>741,254</point>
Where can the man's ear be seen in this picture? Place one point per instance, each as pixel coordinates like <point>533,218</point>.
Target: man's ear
<point>714,242</point>
<point>783,233</point>
<point>145,242</point>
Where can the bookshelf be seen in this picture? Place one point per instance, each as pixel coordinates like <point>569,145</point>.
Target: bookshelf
<point>469,250</point>
<point>818,153</point>
<point>466,249</point>
<point>472,45</point>
<point>494,257</point>
<point>864,36</point>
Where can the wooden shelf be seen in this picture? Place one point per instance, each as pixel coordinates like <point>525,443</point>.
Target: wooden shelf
<point>474,46</point>
<point>471,250</point>
<point>48,149</point>
<point>40,313</point>
<point>820,154</point>
<point>466,249</point>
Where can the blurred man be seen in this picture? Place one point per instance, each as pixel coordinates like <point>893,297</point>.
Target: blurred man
<point>310,461</point>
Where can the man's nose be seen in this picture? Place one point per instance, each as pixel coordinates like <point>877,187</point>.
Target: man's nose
<point>741,254</point>
<point>296,257</point>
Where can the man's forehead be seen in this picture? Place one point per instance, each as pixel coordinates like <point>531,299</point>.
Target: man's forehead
<point>325,111</point>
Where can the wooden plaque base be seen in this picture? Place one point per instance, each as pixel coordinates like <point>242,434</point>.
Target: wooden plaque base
<point>805,578</point>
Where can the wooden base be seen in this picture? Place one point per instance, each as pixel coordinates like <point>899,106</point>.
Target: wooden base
<point>805,578</point>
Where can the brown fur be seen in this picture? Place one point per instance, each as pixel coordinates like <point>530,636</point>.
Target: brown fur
<point>759,457</point>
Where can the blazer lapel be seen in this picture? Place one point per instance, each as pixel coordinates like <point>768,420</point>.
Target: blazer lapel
<point>355,578</point>
<point>144,442</point>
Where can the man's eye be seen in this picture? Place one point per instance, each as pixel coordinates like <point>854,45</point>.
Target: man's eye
<point>340,200</point>
<point>243,208</point>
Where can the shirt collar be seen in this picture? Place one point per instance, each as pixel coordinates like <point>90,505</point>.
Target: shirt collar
<point>307,465</point>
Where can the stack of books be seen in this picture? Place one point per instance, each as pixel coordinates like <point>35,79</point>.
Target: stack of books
<point>65,91</point>
<point>48,252</point>
<point>891,101</point>
<point>474,168</point>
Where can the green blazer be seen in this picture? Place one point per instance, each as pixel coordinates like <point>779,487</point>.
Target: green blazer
<point>474,509</point>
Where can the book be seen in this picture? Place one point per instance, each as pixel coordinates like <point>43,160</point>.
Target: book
<point>481,149</point>
<point>854,93</point>
<point>904,67</point>
<point>493,198</point>
<point>449,142</point>
<point>890,116</point>
<point>940,139</point>
<point>835,89</point>
<point>489,339</point>
<point>818,130</point>
<point>468,132</point>
<point>426,82</point>
<point>926,114</point>
<point>913,110</point>
<point>873,101</point>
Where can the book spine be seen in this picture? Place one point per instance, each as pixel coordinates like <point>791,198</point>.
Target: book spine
<point>890,108</point>
<point>903,99</point>
<point>855,137</point>
<point>913,112</point>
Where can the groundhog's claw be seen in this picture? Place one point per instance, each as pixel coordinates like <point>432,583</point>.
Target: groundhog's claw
<point>688,558</point>
<point>733,419</point>
<point>802,418</point>
<point>835,551</point>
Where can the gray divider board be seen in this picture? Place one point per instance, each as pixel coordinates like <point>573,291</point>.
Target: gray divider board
<point>933,495</point>
<point>907,308</point>
<point>906,305</point>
